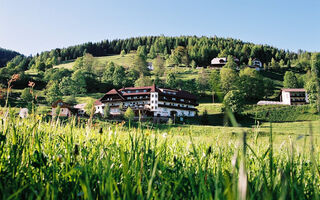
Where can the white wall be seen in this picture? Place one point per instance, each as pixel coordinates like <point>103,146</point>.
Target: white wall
<point>286,98</point>
<point>99,109</point>
<point>154,101</point>
<point>165,112</point>
<point>114,111</point>
<point>63,112</point>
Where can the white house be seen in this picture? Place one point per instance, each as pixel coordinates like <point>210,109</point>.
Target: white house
<point>97,104</point>
<point>256,63</point>
<point>294,96</point>
<point>80,108</point>
<point>289,96</point>
<point>23,113</point>
<point>220,62</point>
<point>65,109</point>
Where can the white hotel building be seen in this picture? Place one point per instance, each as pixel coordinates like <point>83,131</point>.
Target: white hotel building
<point>150,101</point>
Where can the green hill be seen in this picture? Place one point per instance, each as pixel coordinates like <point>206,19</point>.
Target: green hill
<point>125,60</point>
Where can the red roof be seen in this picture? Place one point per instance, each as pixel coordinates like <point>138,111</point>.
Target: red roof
<point>113,91</point>
<point>293,90</point>
<point>97,102</point>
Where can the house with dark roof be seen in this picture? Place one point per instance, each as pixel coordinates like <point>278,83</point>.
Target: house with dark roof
<point>256,64</point>
<point>220,62</point>
<point>151,101</point>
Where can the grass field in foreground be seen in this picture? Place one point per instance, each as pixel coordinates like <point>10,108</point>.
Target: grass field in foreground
<point>50,160</point>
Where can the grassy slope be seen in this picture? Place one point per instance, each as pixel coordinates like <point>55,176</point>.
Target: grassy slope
<point>125,60</point>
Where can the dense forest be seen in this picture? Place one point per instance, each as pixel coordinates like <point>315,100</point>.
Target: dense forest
<point>6,55</point>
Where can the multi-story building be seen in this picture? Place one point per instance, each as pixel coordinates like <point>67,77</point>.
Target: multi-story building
<point>151,101</point>
<point>289,96</point>
<point>294,96</point>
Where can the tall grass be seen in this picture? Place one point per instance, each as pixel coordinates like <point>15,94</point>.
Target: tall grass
<point>55,160</point>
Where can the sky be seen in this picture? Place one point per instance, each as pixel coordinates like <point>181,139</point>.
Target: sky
<point>33,26</point>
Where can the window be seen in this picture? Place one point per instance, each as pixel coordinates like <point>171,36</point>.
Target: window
<point>151,107</point>
<point>151,101</point>
<point>182,100</point>
<point>156,107</point>
<point>144,90</point>
<point>152,95</point>
<point>173,99</point>
<point>156,101</point>
<point>156,95</point>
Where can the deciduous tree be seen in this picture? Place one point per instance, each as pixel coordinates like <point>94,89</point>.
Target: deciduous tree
<point>290,80</point>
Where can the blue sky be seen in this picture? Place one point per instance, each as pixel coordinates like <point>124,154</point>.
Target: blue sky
<point>31,26</point>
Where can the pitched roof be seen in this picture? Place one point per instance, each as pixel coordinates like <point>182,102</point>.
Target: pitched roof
<point>97,102</point>
<point>61,104</point>
<point>111,92</point>
<point>293,90</point>
<point>80,106</point>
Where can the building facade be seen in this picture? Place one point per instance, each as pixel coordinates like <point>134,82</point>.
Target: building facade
<point>294,96</point>
<point>150,101</point>
<point>65,110</point>
<point>220,62</point>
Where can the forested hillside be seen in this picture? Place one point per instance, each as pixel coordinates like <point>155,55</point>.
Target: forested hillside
<point>6,55</point>
<point>193,51</point>
<point>175,61</point>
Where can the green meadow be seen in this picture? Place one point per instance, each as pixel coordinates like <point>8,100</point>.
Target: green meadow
<point>44,158</point>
